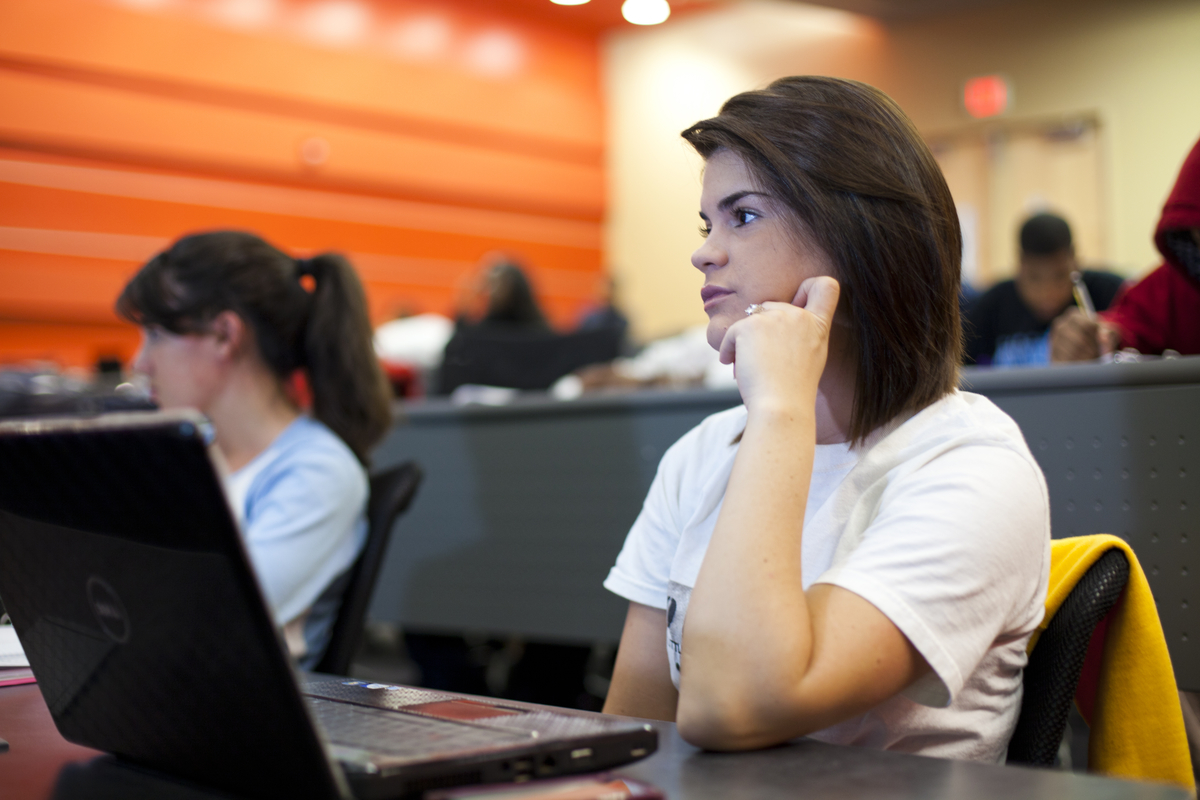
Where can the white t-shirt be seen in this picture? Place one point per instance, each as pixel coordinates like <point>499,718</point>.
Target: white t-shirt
<point>940,521</point>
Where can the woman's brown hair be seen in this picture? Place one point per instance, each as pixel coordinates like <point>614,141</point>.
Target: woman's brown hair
<point>325,332</point>
<point>863,187</point>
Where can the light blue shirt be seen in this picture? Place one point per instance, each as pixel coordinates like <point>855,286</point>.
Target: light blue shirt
<point>301,505</point>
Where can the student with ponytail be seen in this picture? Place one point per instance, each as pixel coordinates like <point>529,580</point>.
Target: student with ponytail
<point>228,320</point>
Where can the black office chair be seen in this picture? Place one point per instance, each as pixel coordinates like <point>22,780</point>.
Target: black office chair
<point>1057,661</point>
<point>391,493</point>
<point>521,359</point>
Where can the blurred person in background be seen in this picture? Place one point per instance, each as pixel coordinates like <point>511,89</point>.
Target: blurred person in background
<point>497,294</point>
<point>410,349</point>
<point>496,305</point>
<point>1009,325</point>
<point>228,322</point>
<point>606,315</point>
<point>1162,310</point>
<point>511,304</point>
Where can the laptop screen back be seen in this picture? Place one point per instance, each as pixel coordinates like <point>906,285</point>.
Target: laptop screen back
<point>125,577</point>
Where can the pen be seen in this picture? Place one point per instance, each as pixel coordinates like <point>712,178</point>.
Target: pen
<point>1083,298</point>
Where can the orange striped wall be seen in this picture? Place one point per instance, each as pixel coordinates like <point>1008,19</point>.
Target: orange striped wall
<point>123,128</point>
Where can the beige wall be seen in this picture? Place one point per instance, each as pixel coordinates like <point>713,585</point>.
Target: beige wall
<point>1134,65</point>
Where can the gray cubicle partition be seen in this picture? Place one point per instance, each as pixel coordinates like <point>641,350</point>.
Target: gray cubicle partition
<point>1120,447</point>
<point>523,510</point>
<point>525,507</point>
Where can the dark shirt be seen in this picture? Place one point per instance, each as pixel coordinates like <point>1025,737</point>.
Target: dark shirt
<point>1001,330</point>
<point>609,318</point>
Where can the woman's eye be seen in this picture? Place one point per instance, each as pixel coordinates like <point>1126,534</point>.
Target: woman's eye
<point>705,230</point>
<point>744,215</point>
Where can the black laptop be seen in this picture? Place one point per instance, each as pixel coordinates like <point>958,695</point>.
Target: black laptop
<point>126,578</point>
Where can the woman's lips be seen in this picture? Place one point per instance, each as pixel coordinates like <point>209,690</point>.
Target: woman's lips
<point>712,295</point>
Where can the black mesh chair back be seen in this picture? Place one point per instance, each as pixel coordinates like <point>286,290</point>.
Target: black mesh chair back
<point>520,359</point>
<point>1057,661</point>
<point>391,493</point>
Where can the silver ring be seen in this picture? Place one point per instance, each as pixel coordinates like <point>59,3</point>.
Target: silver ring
<point>755,308</point>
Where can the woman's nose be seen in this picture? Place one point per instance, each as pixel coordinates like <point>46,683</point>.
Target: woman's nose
<point>709,255</point>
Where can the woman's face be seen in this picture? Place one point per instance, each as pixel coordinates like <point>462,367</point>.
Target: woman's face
<point>184,370</point>
<point>750,253</point>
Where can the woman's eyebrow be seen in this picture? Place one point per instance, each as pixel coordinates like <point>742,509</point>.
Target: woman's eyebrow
<point>729,200</point>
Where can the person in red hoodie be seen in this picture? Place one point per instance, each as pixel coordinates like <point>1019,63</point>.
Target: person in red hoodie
<point>1162,310</point>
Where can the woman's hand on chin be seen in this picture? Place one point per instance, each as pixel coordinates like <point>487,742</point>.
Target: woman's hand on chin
<point>780,352</point>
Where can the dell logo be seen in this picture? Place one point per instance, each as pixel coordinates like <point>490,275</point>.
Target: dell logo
<point>108,609</point>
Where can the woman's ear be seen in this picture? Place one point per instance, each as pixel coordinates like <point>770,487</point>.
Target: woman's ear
<point>229,334</point>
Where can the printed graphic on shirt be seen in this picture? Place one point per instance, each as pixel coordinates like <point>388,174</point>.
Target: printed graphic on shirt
<point>1022,349</point>
<point>677,603</point>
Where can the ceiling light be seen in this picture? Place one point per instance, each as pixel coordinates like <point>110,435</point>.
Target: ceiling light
<point>145,5</point>
<point>421,38</point>
<point>645,12</point>
<point>568,2</point>
<point>496,54</point>
<point>245,14</point>
<point>337,23</point>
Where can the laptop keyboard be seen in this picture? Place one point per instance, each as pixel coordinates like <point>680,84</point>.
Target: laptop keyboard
<point>401,735</point>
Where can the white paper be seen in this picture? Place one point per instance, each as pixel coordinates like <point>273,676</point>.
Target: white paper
<point>11,652</point>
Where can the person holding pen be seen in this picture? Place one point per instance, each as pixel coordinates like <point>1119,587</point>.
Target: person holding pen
<point>860,551</point>
<point>1009,325</point>
<point>1162,310</point>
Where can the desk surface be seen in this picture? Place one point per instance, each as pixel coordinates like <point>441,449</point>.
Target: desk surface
<point>31,770</point>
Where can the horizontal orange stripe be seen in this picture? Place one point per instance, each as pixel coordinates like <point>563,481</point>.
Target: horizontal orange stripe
<point>555,98</point>
<point>43,112</point>
<point>86,244</point>
<point>384,122</point>
<point>372,267</point>
<point>35,207</point>
<point>60,288</point>
<point>77,275</point>
<point>307,203</point>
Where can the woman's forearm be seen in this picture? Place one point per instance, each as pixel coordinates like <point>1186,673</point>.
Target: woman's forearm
<point>641,683</point>
<point>748,635</point>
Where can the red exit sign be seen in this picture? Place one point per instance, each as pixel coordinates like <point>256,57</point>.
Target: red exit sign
<point>986,96</point>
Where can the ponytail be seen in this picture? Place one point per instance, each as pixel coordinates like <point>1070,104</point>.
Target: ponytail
<point>327,331</point>
<point>350,393</point>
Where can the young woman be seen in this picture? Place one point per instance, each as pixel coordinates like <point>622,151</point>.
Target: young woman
<point>859,552</point>
<point>492,334</point>
<point>227,323</point>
